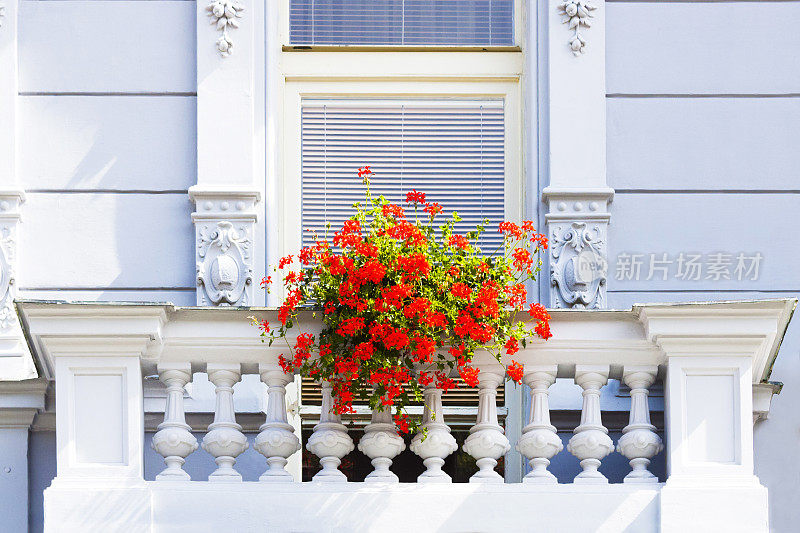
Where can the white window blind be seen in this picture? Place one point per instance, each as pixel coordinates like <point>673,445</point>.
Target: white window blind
<point>454,151</point>
<point>402,22</point>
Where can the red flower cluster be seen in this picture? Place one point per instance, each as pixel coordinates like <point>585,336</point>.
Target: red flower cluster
<point>415,197</point>
<point>515,371</point>
<point>406,305</point>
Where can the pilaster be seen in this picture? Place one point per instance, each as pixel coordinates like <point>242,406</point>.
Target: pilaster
<point>226,196</point>
<point>577,196</point>
<point>15,361</point>
<point>713,357</point>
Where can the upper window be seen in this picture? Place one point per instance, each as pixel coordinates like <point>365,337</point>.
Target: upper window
<point>402,22</point>
<point>453,150</point>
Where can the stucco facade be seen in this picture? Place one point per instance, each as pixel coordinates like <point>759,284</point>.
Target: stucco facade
<point>130,137</point>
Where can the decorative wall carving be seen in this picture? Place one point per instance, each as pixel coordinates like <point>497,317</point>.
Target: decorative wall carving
<point>10,202</point>
<point>577,222</point>
<point>224,267</point>
<point>224,15</point>
<point>577,14</point>
<point>224,232</point>
<point>7,248</point>
<point>2,13</point>
<point>578,264</point>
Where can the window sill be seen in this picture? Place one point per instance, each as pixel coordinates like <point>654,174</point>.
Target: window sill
<point>395,48</point>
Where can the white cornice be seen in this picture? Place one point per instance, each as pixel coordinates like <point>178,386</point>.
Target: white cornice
<point>642,335</point>
<point>645,335</point>
<point>752,329</point>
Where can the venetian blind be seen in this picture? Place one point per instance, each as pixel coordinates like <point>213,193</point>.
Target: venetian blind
<point>454,151</point>
<point>402,22</point>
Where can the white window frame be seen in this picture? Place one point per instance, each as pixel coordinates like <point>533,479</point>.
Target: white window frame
<point>284,34</point>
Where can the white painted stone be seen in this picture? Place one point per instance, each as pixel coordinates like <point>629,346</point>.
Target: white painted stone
<point>276,439</point>
<point>433,442</point>
<point>639,441</point>
<point>329,441</point>
<point>224,440</point>
<point>487,441</point>
<point>381,443</point>
<point>173,439</point>
<point>590,443</point>
<point>539,441</point>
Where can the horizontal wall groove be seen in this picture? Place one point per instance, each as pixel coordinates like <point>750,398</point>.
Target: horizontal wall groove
<point>717,291</point>
<point>100,93</point>
<point>701,95</point>
<point>163,1</point>
<point>96,289</point>
<point>706,191</point>
<point>105,191</point>
<point>700,1</point>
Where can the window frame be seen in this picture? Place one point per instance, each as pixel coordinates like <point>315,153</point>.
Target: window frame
<point>284,34</point>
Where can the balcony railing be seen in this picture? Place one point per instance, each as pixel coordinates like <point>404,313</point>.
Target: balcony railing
<point>710,356</point>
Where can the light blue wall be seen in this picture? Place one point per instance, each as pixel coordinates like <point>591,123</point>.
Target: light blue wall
<point>13,478</point>
<point>703,120</point>
<point>41,471</point>
<point>107,150</point>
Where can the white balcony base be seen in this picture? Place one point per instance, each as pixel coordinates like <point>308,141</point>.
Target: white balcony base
<point>198,506</point>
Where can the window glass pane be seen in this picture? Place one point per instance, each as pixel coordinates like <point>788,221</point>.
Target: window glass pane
<point>402,22</point>
<point>453,151</point>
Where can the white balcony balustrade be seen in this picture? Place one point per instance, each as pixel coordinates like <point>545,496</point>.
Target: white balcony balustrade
<point>709,355</point>
<point>433,443</point>
<point>276,439</point>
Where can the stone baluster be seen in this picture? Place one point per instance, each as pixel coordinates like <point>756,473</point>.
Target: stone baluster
<point>173,440</point>
<point>433,442</point>
<point>539,441</point>
<point>224,440</point>
<point>329,441</point>
<point>591,442</point>
<point>381,444</point>
<point>639,442</point>
<point>487,441</point>
<point>276,439</point>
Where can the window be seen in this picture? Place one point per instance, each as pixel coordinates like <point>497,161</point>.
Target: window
<point>452,150</point>
<point>444,122</point>
<point>402,22</point>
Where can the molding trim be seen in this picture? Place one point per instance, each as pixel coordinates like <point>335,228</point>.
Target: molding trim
<point>762,398</point>
<point>20,401</point>
<point>577,14</point>
<point>224,15</point>
<point>17,418</point>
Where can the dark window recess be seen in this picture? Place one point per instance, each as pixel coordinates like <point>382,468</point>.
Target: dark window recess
<point>311,394</point>
<point>459,465</point>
